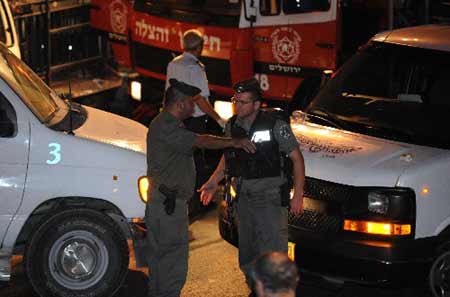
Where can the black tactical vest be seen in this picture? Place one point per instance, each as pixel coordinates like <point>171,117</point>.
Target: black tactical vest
<point>266,161</point>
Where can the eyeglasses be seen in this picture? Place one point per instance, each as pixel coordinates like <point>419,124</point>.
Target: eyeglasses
<point>236,101</point>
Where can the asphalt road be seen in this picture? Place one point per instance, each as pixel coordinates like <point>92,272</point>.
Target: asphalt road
<point>213,271</point>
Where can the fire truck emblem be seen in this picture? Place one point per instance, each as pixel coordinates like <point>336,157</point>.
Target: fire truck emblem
<point>118,16</point>
<point>286,45</point>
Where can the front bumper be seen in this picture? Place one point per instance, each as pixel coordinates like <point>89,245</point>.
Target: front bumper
<point>361,260</point>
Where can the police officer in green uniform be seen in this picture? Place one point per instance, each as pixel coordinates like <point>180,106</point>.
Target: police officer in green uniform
<point>172,175</point>
<point>261,181</point>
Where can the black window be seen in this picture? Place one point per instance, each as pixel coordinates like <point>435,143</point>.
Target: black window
<point>269,7</point>
<point>390,91</point>
<point>205,12</point>
<point>301,6</point>
<point>8,118</point>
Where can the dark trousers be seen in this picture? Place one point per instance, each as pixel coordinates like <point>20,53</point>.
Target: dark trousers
<point>167,247</point>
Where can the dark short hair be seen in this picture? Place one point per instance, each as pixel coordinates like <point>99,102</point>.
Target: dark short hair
<point>179,91</point>
<point>276,272</point>
<point>172,96</point>
<point>249,86</point>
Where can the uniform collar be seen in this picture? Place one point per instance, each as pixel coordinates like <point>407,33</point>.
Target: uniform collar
<point>190,56</point>
<point>246,125</point>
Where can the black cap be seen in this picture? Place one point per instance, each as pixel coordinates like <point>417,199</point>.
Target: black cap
<point>249,85</point>
<point>184,88</point>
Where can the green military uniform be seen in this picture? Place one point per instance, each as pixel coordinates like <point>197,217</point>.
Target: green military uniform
<point>262,219</point>
<point>170,162</point>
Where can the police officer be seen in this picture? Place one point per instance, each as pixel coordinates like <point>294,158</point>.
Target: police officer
<point>187,68</point>
<point>172,175</point>
<point>261,181</point>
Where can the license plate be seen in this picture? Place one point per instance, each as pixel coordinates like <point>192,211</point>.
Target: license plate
<point>291,250</point>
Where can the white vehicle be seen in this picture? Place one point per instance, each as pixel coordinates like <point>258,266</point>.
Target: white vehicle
<point>68,187</point>
<point>377,205</point>
<point>376,144</point>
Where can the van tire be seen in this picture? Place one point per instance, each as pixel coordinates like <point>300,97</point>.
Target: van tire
<point>439,277</point>
<point>79,252</point>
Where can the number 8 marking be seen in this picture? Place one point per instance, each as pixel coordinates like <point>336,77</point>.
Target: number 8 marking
<point>263,81</point>
<point>55,151</point>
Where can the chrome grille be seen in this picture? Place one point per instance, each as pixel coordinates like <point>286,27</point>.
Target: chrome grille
<point>323,204</point>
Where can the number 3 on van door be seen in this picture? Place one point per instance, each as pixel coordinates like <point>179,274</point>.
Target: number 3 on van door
<point>55,152</point>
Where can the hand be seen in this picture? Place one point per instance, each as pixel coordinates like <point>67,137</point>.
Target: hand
<point>207,190</point>
<point>244,144</point>
<point>222,122</point>
<point>297,204</point>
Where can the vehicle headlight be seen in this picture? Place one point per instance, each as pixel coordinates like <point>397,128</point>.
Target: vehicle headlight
<point>224,109</point>
<point>382,211</point>
<point>144,187</point>
<point>378,202</point>
<point>136,90</point>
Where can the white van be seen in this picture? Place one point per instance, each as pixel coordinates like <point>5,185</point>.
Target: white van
<point>376,144</point>
<point>68,187</point>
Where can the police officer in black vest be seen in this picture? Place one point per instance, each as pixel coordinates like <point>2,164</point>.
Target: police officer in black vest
<point>260,178</point>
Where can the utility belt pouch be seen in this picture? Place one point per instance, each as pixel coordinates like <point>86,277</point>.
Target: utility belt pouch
<point>170,201</point>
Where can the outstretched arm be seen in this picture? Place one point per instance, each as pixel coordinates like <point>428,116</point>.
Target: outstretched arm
<point>299,180</point>
<point>209,188</point>
<point>215,142</point>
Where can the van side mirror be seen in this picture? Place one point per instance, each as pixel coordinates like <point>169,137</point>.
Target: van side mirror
<point>249,10</point>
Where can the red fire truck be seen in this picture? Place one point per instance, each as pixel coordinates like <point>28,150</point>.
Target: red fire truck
<point>286,44</point>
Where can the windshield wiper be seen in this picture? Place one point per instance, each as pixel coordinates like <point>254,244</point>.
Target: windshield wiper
<point>366,97</point>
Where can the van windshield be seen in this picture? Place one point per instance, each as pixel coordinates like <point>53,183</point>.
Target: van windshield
<point>41,100</point>
<point>392,92</point>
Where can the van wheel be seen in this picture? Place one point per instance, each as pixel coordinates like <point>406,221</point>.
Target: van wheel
<point>440,275</point>
<point>78,252</point>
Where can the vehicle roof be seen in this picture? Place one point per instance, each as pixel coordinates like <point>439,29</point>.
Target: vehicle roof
<point>435,37</point>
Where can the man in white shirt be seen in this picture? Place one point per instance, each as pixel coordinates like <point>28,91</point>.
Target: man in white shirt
<point>188,69</point>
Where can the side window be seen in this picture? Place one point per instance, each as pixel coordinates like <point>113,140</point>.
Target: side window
<point>385,75</point>
<point>297,6</point>
<point>439,92</point>
<point>269,7</point>
<point>8,118</point>
<point>431,78</point>
<point>2,28</point>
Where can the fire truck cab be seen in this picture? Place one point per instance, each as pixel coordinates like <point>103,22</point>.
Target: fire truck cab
<point>279,43</point>
<point>286,44</point>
